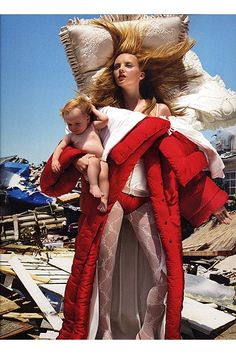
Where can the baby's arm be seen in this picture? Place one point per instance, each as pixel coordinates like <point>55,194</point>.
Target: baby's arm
<point>102,119</point>
<point>57,153</point>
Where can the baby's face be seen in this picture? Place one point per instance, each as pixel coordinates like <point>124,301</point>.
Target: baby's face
<point>77,121</point>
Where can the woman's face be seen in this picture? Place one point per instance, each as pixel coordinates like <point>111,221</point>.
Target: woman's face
<point>126,71</point>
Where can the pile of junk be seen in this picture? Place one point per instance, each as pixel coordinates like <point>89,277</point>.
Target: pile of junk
<point>25,210</point>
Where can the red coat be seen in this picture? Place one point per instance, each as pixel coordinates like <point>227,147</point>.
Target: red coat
<point>177,186</point>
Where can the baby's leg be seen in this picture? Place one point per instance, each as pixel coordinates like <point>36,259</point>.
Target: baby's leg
<point>93,173</point>
<point>104,186</point>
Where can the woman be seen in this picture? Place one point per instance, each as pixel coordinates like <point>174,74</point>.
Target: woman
<point>154,177</point>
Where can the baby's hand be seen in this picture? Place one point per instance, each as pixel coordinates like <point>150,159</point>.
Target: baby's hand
<point>223,215</point>
<point>56,166</point>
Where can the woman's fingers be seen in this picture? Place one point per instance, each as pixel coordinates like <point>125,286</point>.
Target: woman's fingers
<point>81,164</point>
<point>223,216</point>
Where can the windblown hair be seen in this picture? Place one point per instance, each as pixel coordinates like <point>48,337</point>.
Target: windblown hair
<point>81,102</point>
<point>165,74</point>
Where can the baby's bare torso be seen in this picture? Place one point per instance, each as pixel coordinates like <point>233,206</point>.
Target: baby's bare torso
<point>88,141</point>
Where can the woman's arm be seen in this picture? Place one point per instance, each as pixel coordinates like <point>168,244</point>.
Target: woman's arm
<point>81,164</point>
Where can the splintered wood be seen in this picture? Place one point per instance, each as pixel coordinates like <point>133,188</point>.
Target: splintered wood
<point>44,301</point>
<point>36,293</point>
<point>11,328</point>
<point>7,305</point>
<point>212,240</point>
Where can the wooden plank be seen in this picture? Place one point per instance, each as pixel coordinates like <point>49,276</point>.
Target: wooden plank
<point>8,271</point>
<point>57,277</point>
<point>47,272</point>
<point>48,335</point>
<point>11,328</point>
<point>207,253</point>
<point>24,316</point>
<point>64,263</point>
<point>49,222</point>
<point>20,247</point>
<point>16,227</point>
<point>204,318</point>
<point>43,268</point>
<point>27,218</point>
<point>7,305</point>
<point>69,197</point>
<point>229,333</point>
<point>57,281</point>
<point>36,294</point>
<point>212,240</point>
<point>22,257</point>
<point>37,211</point>
<point>37,268</point>
<point>228,264</point>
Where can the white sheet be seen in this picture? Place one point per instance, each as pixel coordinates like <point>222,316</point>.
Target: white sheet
<point>120,122</point>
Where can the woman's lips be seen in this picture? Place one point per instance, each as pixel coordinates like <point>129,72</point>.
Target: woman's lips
<point>121,77</point>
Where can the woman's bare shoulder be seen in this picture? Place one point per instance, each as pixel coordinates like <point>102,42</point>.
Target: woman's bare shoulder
<point>162,110</point>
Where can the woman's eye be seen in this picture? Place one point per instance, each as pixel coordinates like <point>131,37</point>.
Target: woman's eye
<point>116,67</point>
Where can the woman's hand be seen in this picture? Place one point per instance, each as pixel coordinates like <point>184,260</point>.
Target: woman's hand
<point>223,215</point>
<point>81,164</point>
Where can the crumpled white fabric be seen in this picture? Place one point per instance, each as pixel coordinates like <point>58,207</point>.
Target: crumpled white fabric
<point>207,103</point>
<point>122,121</point>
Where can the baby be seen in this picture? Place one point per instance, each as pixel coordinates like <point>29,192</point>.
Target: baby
<point>84,134</point>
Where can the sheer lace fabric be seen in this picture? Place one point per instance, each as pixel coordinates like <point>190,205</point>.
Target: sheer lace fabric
<point>131,319</point>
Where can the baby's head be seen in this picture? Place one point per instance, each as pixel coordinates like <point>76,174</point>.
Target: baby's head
<point>76,113</point>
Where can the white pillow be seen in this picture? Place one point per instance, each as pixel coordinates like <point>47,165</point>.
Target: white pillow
<point>208,104</point>
<point>88,47</point>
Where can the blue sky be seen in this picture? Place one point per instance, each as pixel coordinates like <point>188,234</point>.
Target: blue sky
<point>36,79</point>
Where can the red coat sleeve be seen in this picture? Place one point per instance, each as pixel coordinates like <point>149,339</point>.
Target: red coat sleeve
<point>56,184</point>
<point>184,157</point>
<point>200,199</point>
<point>199,195</point>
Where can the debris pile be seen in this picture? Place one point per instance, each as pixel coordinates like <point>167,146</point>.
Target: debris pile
<point>37,248</point>
<point>209,310</point>
<point>32,288</point>
<point>19,185</point>
<point>31,225</point>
